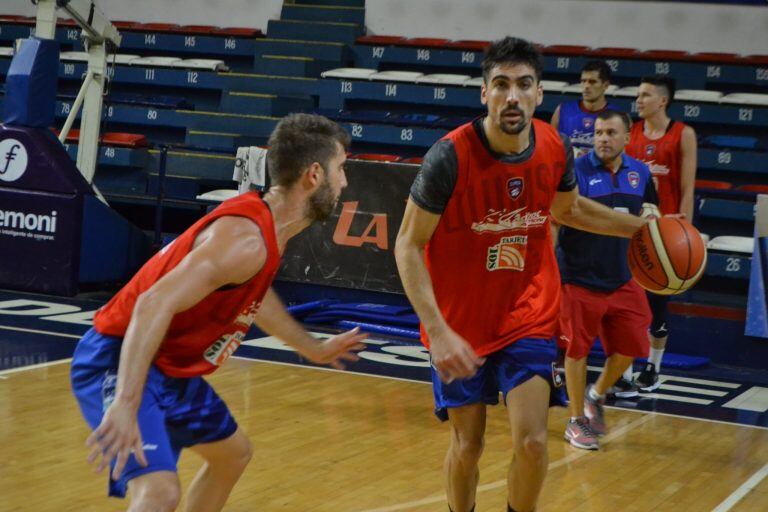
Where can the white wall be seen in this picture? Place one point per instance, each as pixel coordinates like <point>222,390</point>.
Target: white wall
<point>634,24</point>
<point>222,13</point>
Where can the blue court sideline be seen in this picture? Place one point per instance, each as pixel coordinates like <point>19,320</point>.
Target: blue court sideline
<point>36,329</point>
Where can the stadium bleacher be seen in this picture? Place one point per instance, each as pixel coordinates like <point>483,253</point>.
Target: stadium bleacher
<point>208,90</point>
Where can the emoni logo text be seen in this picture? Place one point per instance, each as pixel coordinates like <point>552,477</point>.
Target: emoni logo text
<point>13,160</point>
<point>28,221</point>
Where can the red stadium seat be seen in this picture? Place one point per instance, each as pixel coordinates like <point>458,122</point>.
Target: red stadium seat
<point>238,32</point>
<point>714,184</point>
<point>124,24</point>
<point>376,157</point>
<point>413,160</point>
<point>758,189</point>
<point>116,139</point>
<point>717,58</point>
<point>610,52</point>
<point>468,45</point>
<point>565,49</point>
<point>380,40</point>
<point>424,42</point>
<point>203,30</point>
<point>756,60</point>
<point>124,140</point>
<point>20,20</point>
<point>156,27</point>
<point>66,22</point>
<point>664,55</point>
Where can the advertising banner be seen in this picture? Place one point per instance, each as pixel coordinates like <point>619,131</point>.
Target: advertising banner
<point>354,248</point>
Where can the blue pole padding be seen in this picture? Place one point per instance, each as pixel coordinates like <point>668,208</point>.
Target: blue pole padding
<point>30,85</point>
<point>757,301</point>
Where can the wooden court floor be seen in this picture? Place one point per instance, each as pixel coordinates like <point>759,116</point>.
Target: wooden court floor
<point>330,441</point>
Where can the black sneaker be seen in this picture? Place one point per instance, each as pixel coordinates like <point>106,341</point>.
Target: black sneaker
<point>648,380</point>
<point>624,389</point>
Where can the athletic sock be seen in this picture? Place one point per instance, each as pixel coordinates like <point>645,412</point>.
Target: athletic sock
<point>628,373</point>
<point>655,358</point>
<point>594,395</point>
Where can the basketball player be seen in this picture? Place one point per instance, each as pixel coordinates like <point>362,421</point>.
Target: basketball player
<point>475,256</point>
<point>668,147</point>
<point>576,119</point>
<point>137,373</point>
<point>599,295</point>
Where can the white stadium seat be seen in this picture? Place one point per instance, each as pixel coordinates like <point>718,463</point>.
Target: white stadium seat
<point>740,244</point>
<point>123,58</point>
<point>443,78</point>
<point>698,95</point>
<point>474,82</point>
<point>74,56</point>
<point>627,92</point>
<point>205,64</point>
<point>396,76</point>
<point>553,85</point>
<point>218,195</point>
<point>349,73</point>
<point>155,61</point>
<point>743,98</point>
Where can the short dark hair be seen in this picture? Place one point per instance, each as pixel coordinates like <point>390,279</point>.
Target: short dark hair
<point>663,81</point>
<point>512,50</point>
<point>298,141</point>
<point>609,113</point>
<point>603,69</point>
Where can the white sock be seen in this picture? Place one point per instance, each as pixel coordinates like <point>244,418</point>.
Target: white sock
<point>655,357</point>
<point>594,395</point>
<point>628,373</point>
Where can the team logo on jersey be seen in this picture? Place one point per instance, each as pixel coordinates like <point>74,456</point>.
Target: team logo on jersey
<point>502,220</point>
<point>634,178</point>
<point>588,122</point>
<point>514,187</point>
<point>650,149</point>
<point>508,254</point>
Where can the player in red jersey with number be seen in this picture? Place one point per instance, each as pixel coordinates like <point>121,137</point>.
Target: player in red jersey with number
<point>668,148</point>
<point>137,373</point>
<point>475,255</point>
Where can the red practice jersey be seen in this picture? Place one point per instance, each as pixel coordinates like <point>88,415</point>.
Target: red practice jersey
<point>664,158</point>
<point>490,258</point>
<point>201,338</point>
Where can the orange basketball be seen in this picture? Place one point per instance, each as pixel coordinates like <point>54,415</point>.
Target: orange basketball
<point>667,256</point>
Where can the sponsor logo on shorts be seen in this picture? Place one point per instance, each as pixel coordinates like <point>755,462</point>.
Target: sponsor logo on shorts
<point>508,254</point>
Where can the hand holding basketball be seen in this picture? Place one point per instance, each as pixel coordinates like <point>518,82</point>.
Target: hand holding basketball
<point>667,256</point>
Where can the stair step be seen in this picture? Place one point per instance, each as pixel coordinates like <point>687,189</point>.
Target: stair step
<point>323,13</point>
<point>323,50</point>
<point>314,30</point>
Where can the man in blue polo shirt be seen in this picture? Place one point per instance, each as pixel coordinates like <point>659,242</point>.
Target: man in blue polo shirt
<point>599,296</point>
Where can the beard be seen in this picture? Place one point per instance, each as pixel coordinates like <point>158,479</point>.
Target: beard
<point>512,128</point>
<point>321,203</point>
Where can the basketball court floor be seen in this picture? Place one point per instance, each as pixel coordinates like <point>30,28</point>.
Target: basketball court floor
<point>366,440</point>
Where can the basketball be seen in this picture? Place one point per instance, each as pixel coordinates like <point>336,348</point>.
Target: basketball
<point>667,256</point>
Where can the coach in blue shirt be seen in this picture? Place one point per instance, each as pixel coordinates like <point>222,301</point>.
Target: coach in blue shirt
<point>599,296</point>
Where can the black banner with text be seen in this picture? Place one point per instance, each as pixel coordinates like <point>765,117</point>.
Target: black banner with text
<point>354,248</point>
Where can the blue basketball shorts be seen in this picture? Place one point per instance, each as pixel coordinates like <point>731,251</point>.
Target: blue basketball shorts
<point>175,413</point>
<point>502,371</point>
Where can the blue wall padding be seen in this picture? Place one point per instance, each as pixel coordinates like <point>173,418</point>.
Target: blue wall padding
<point>30,87</point>
<point>757,302</point>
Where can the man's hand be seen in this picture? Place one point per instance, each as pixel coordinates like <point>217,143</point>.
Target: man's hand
<point>336,349</point>
<point>453,357</point>
<point>117,436</point>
